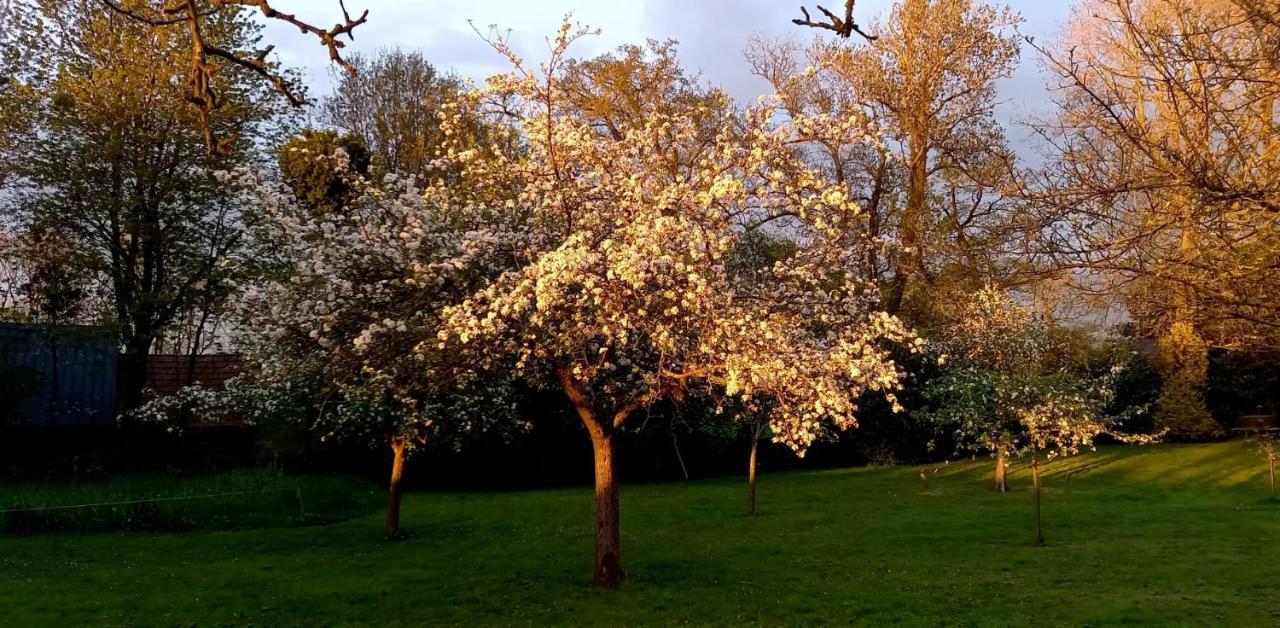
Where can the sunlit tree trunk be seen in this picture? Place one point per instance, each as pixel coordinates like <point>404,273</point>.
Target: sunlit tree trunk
<point>608,570</point>
<point>1002,470</point>
<point>1271,467</point>
<point>608,567</point>
<point>398,446</point>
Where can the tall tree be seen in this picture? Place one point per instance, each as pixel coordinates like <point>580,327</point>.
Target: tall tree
<point>1161,172</point>
<point>392,102</point>
<point>23,68</point>
<point>928,81</point>
<point>1161,184</point>
<point>118,167</point>
<point>350,308</point>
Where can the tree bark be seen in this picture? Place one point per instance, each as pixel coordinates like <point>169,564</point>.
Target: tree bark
<point>398,445</point>
<point>1002,483</point>
<point>751,477</point>
<point>909,258</point>
<point>608,567</point>
<point>608,571</point>
<point>1035,480</point>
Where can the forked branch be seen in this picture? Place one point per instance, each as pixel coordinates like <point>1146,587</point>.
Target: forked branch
<point>202,94</point>
<point>844,27</point>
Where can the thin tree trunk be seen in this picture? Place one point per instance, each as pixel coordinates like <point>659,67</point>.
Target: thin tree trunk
<point>398,445</point>
<point>1002,481</point>
<point>195,344</point>
<point>751,477</point>
<point>1035,480</point>
<point>679,458</point>
<point>608,570</point>
<point>1271,465</point>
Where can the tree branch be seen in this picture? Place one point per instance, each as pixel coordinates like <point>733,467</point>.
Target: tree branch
<point>203,95</point>
<point>844,27</point>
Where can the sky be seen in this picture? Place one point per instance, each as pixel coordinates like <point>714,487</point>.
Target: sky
<point>712,36</point>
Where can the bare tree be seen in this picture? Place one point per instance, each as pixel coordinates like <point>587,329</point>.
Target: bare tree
<point>935,191</point>
<point>1162,177</point>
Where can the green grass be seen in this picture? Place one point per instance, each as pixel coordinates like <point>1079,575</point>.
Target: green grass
<point>173,503</point>
<point>1173,535</point>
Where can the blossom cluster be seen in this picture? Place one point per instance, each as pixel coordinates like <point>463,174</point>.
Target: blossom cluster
<point>623,289</point>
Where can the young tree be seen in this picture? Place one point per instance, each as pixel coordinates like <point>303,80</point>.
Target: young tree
<point>1267,441</point>
<point>621,297</point>
<point>1061,414</point>
<point>348,306</point>
<point>991,345</point>
<point>1006,395</point>
<point>750,261</point>
<point>118,168</point>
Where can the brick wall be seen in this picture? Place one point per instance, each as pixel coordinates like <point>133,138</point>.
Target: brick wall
<point>167,373</point>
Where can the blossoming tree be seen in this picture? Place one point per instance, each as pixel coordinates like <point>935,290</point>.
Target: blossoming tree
<point>348,298</point>
<point>988,344</point>
<point>1006,395</point>
<point>621,296</point>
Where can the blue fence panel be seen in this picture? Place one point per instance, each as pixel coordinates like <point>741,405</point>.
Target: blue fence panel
<point>85,373</point>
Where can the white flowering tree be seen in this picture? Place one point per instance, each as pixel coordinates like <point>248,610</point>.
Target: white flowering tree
<point>621,295</point>
<point>349,308</point>
<point>1006,394</point>
<point>988,345</point>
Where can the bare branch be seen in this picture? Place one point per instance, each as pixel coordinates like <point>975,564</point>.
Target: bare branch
<point>844,27</point>
<point>203,95</point>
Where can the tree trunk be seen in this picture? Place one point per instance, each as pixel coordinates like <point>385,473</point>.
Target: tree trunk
<point>1035,480</point>
<point>1271,466</point>
<point>751,477</point>
<point>398,444</point>
<point>131,374</point>
<point>1002,483</point>
<point>909,258</point>
<point>608,572</point>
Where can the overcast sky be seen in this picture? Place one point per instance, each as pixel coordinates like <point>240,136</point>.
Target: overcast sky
<point>712,35</point>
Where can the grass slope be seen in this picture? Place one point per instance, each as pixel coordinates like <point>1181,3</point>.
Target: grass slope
<point>1176,535</point>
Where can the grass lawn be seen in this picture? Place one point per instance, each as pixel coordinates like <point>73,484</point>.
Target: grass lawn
<point>1169,534</point>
